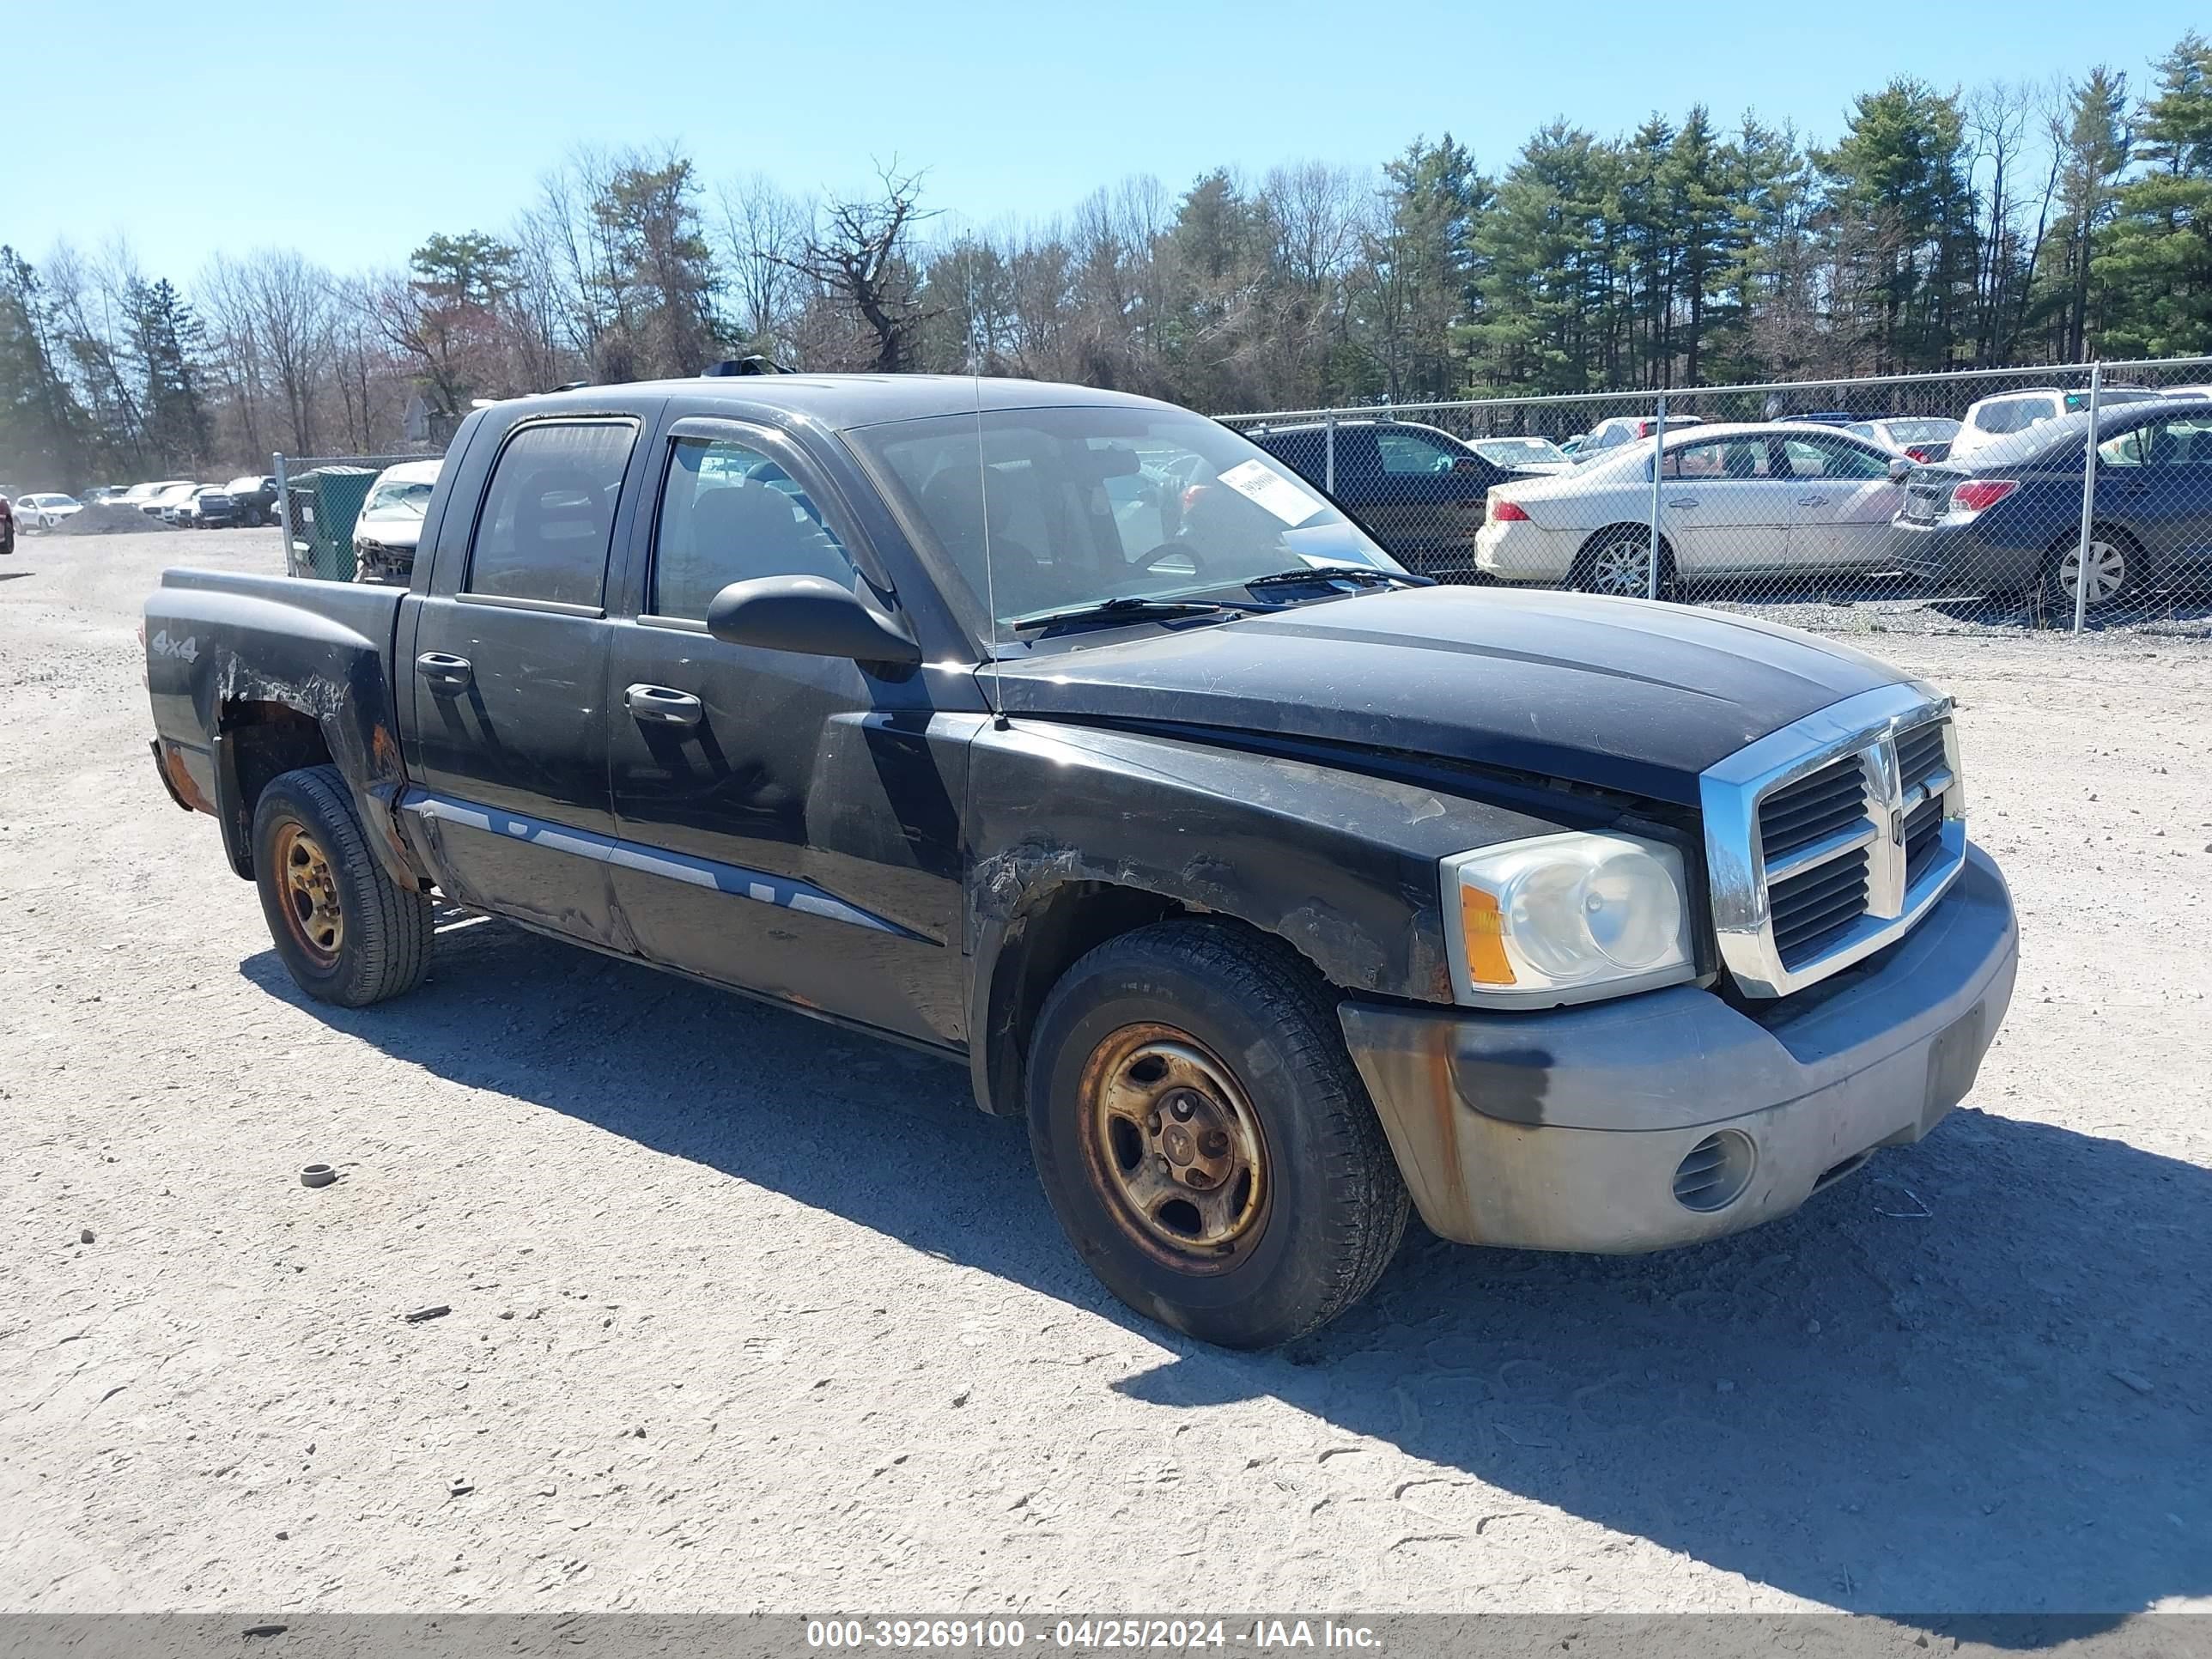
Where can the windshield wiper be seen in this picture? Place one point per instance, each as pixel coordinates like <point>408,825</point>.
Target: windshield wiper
<point>1128,608</point>
<point>1365,576</point>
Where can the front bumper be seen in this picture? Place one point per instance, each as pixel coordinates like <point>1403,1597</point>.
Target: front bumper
<point>1564,1130</point>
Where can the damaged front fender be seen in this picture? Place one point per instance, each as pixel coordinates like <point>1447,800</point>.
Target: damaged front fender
<point>1339,866</point>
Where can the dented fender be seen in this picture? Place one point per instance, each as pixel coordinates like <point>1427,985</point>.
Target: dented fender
<point>1339,865</point>
<point>223,649</point>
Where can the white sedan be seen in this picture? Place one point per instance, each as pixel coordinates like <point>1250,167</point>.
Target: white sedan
<point>1734,501</point>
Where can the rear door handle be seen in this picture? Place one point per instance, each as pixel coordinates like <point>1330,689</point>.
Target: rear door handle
<point>1811,501</point>
<point>445,673</point>
<point>1681,501</point>
<point>661,705</point>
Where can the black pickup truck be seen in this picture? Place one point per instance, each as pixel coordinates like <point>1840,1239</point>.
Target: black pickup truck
<point>1069,732</point>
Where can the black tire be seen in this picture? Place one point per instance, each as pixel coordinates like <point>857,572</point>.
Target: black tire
<point>1632,541</point>
<point>381,938</point>
<point>1333,1206</point>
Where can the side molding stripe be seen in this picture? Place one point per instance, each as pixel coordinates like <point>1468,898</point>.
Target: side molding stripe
<point>732,879</point>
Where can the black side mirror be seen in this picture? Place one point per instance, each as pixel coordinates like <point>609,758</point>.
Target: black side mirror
<point>1900,469</point>
<point>808,615</point>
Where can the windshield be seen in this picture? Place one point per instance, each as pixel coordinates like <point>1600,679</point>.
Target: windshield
<point>397,498</point>
<point>1082,504</point>
<point>1519,451</point>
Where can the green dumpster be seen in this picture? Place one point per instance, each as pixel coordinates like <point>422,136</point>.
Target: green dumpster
<point>324,504</point>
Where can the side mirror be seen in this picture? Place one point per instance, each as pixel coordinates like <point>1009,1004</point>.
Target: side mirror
<point>1899,469</point>
<point>808,615</point>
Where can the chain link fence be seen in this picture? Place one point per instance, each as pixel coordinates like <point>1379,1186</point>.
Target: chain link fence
<point>2078,497</point>
<point>322,500</point>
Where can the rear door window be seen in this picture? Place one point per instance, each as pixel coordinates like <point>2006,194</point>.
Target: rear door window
<point>548,519</point>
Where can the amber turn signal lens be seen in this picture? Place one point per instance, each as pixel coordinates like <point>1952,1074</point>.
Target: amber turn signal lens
<point>1485,928</point>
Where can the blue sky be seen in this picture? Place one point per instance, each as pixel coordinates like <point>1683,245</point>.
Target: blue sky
<point>353,132</point>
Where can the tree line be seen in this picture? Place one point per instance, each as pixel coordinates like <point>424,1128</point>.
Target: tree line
<point>2007,224</point>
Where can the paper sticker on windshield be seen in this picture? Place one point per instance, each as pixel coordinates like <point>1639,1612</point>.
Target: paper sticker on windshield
<point>1272,491</point>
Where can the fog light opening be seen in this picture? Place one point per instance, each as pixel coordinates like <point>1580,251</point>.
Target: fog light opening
<point>1714,1173</point>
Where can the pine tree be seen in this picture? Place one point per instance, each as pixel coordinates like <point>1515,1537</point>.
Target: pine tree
<point>167,345</point>
<point>2153,266</point>
<point>44,433</point>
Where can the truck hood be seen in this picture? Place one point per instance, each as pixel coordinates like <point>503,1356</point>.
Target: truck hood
<point>1619,694</point>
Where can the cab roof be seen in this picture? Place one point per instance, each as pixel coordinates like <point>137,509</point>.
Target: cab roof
<point>841,402</point>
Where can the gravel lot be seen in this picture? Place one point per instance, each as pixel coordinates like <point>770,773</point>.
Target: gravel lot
<point>746,1313</point>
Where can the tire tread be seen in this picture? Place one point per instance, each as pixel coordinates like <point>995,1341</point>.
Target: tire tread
<point>387,953</point>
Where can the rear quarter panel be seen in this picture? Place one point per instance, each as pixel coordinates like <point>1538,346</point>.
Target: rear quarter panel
<point>218,645</point>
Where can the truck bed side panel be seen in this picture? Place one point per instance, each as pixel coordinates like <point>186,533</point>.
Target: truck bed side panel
<point>222,650</point>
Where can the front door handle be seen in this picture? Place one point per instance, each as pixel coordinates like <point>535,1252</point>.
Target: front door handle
<point>445,673</point>
<point>1811,501</point>
<point>1681,501</point>
<point>661,705</point>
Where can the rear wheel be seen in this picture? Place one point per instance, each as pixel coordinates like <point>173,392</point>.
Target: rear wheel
<point>2114,570</point>
<point>346,932</point>
<point>1204,1139</point>
<point>1617,562</point>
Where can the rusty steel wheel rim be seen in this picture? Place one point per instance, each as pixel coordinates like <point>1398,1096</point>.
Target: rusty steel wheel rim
<point>1174,1148</point>
<point>309,888</point>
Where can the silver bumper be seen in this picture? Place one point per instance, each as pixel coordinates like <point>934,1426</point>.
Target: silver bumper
<point>1570,1130</point>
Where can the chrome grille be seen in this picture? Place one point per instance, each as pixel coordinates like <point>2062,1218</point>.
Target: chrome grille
<point>1805,813</point>
<point>1809,910</point>
<point>1829,839</point>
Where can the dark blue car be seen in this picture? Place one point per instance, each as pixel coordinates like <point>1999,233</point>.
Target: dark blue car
<point>2008,519</point>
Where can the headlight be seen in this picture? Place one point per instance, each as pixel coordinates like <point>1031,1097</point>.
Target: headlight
<point>1565,918</point>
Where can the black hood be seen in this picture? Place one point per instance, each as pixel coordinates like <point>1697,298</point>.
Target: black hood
<point>1622,694</point>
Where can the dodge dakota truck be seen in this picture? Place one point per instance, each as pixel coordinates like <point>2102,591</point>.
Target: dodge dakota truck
<point>1068,733</point>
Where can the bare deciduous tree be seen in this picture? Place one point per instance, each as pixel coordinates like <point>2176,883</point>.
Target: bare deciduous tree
<point>859,251</point>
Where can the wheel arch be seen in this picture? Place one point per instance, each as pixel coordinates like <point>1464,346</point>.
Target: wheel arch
<point>260,736</point>
<point>1056,924</point>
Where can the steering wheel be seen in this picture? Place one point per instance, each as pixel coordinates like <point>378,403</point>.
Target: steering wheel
<point>1173,549</point>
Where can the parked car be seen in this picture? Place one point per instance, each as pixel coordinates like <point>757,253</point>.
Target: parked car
<point>1736,500</point>
<point>255,497</point>
<point>1271,884</point>
<point>2008,519</point>
<point>1522,455</point>
<point>1916,437</point>
<point>384,536</point>
<point>2004,413</point>
<point>160,500</point>
<point>1416,490</point>
<point>171,505</point>
<point>45,511</point>
<point>1608,434</point>
<point>210,507</point>
<point>139,494</point>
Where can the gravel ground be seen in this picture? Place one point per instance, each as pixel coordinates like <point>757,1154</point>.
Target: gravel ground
<point>747,1313</point>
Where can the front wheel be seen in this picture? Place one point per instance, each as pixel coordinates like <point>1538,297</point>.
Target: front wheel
<point>1204,1139</point>
<point>346,932</point>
